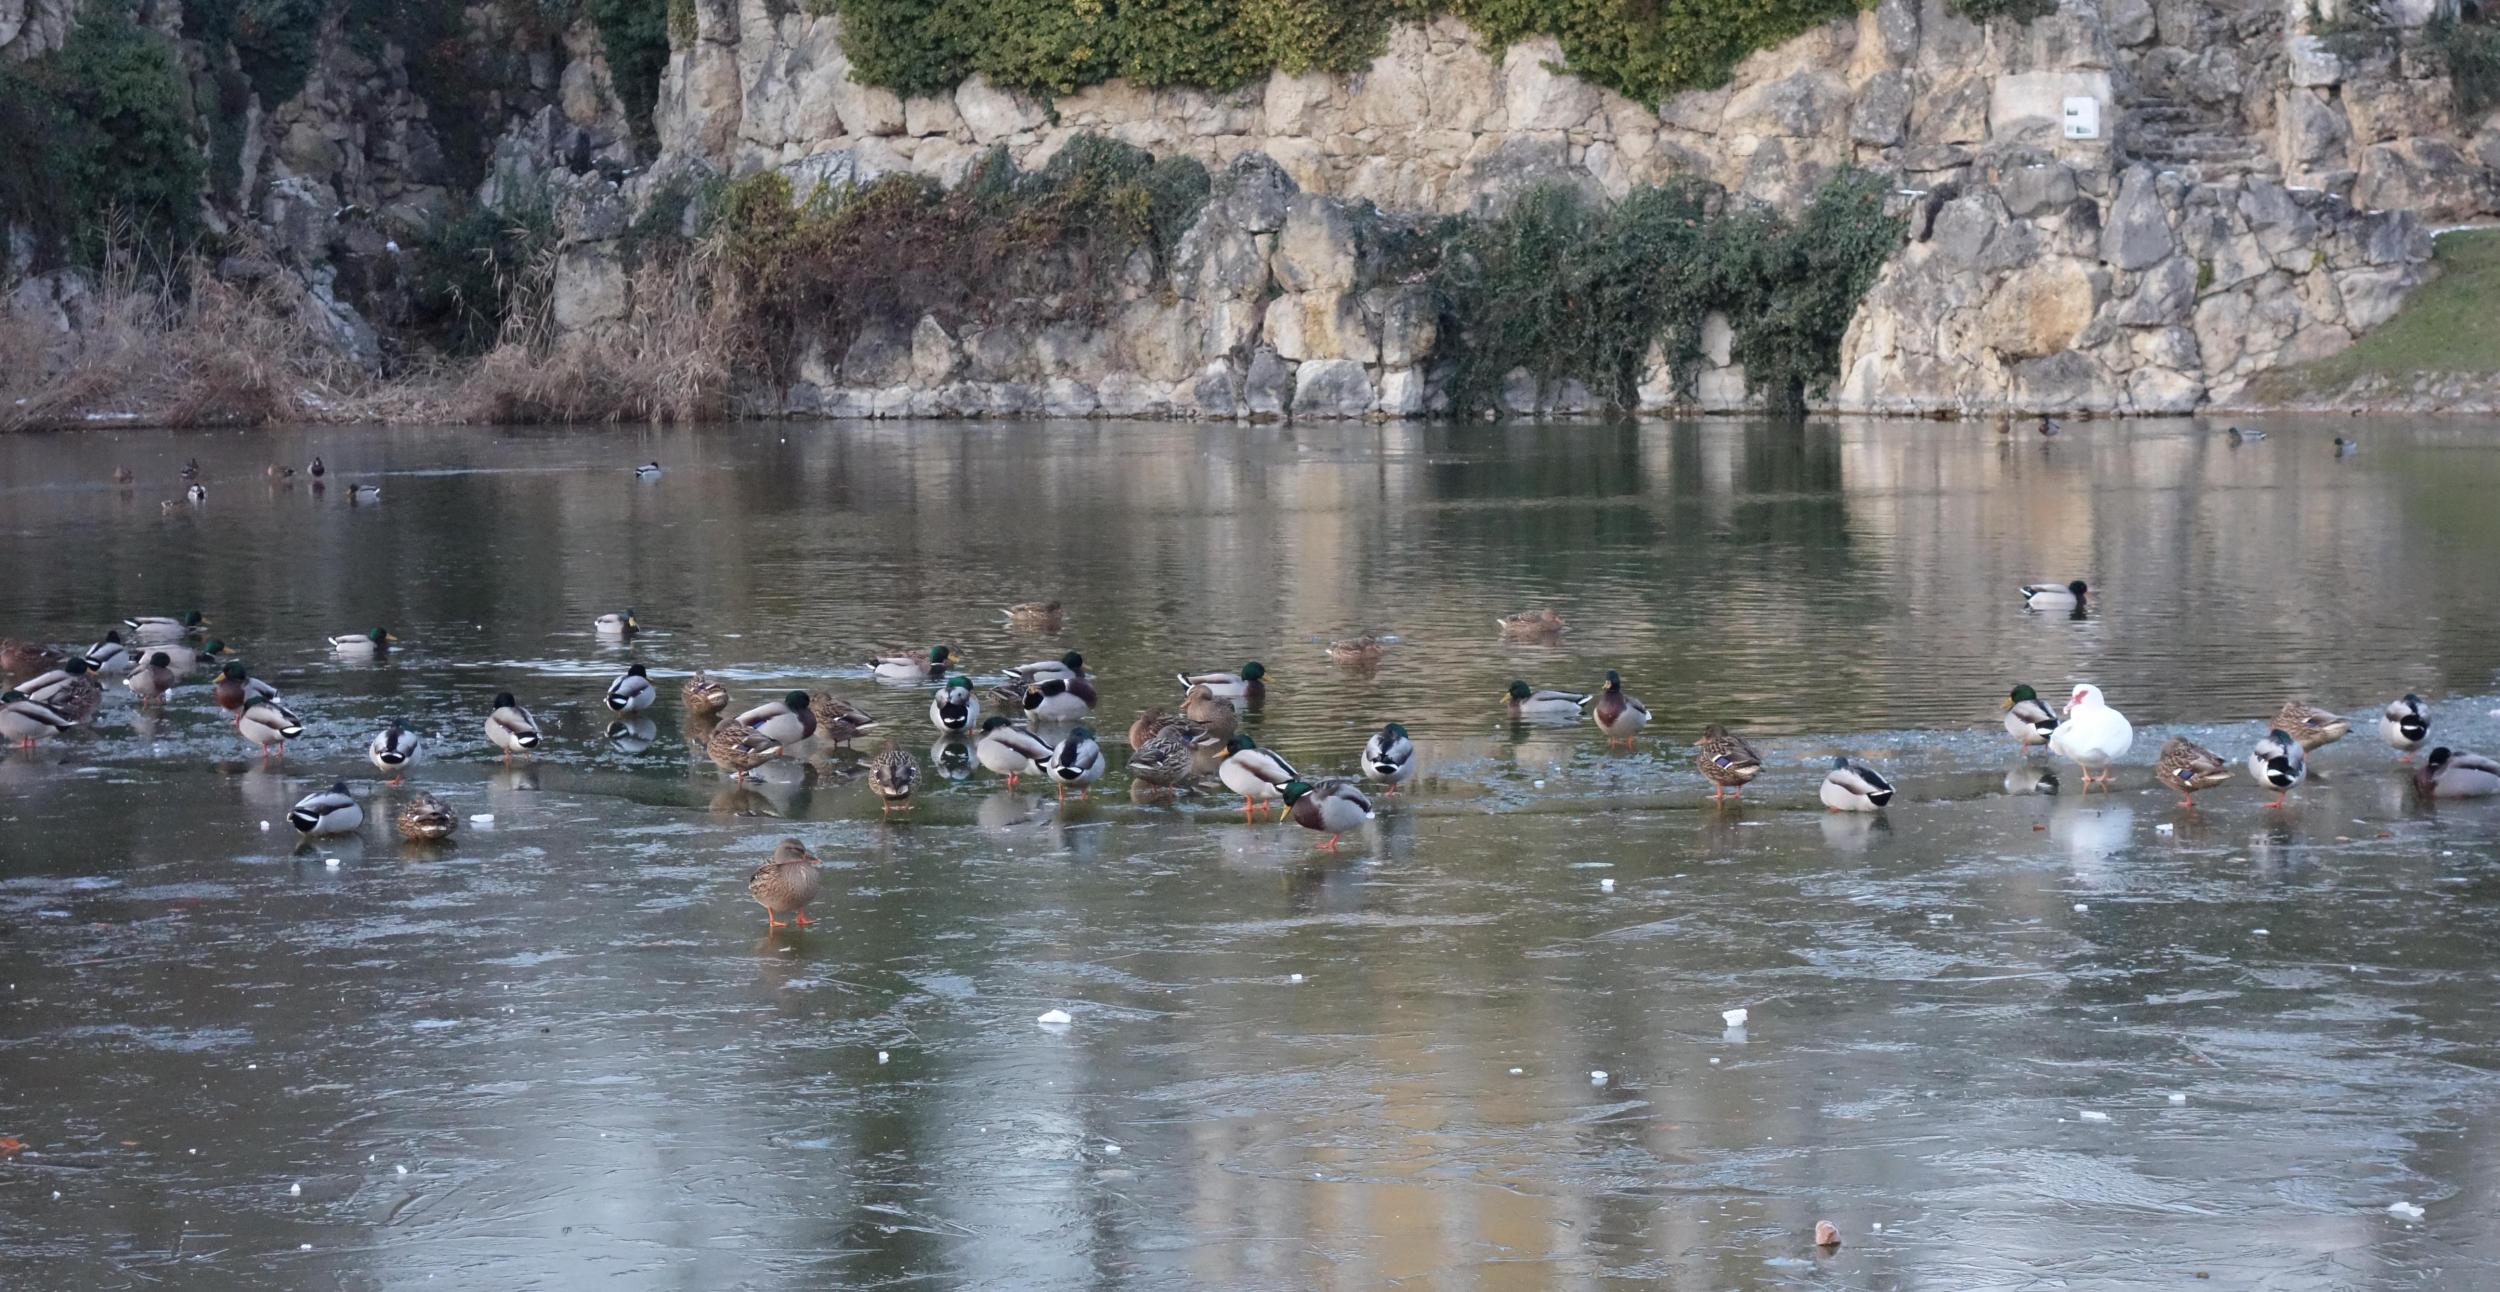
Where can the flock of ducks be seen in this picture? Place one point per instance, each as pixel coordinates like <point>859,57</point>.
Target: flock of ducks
<point>2050,428</point>
<point>195,493</point>
<point>1036,723</point>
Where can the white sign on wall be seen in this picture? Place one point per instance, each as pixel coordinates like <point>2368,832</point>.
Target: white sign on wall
<point>2083,118</point>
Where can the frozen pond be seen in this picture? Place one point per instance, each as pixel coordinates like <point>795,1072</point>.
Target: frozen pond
<point>2000,1039</point>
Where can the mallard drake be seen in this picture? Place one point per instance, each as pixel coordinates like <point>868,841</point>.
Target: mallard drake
<point>2312,726</point>
<point>1077,761</point>
<point>1332,806</point>
<point>2278,763</point>
<point>510,727</point>
<point>330,811</point>
<point>29,722</point>
<point>2243,435</point>
<point>955,709</point>
<point>1216,716</point>
<point>632,691</point>
<point>1166,757</point>
<point>196,494</point>
<point>152,678</point>
<point>426,819</point>
<point>376,642</point>
<point>109,655</point>
<point>1531,623</point>
<point>2093,734</point>
<point>647,471</point>
<point>702,695</point>
<point>2453,774</point>
<point>1071,664</point>
<point>22,660</point>
<point>2049,427</point>
<point>123,475</point>
<point>1248,684</point>
<point>72,690</point>
<point>893,774</point>
<point>1056,700</point>
<point>1726,760</point>
<point>1547,705</point>
<point>191,469</point>
<point>364,493</point>
<point>785,722</point>
<point>1256,774</point>
<point>267,725</point>
<point>838,721</point>
<point>1007,748</point>
<point>2051,596</point>
<point>788,883</point>
<point>1044,616</point>
<point>1389,756</point>
<point>737,748</point>
<point>185,660</point>
<point>394,749</point>
<point>1619,715</point>
<point>2028,720</point>
<point>1356,652</point>
<point>940,661</point>
<point>613,624</point>
<point>1069,671</point>
<point>154,630</point>
<point>2405,724</point>
<point>317,470</point>
<point>236,689</point>
<point>1855,787</point>
<point>2189,768</point>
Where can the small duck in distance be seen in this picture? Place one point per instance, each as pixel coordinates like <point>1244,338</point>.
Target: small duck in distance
<point>1356,652</point>
<point>1619,715</point>
<point>1040,616</point>
<point>375,642</point>
<point>2050,427</point>
<point>632,691</point>
<point>2454,774</point>
<point>1389,756</point>
<point>2345,448</point>
<point>1530,624</point>
<point>915,668</point>
<point>2313,727</point>
<point>647,471</point>
<point>191,469</point>
<point>2052,596</point>
<point>510,728</point>
<point>197,493</point>
<point>1248,684</point>
<point>613,624</point>
<point>1854,787</point>
<point>364,493</point>
<point>2278,763</point>
<point>2242,435</point>
<point>316,470</point>
<point>1727,761</point>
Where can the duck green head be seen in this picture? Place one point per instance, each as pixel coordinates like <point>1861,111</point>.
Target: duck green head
<point>380,635</point>
<point>2022,693</point>
<point>796,701</point>
<point>1294,790</point>
<point>12,696</point>
<point>959,681</point>
<point>213,647</point>
<point>1080,735</point>
<point>2077,587</point>
<point>233,671</point>
<point>993,723</point>
<point>504,700</point>
<point>941,654</point>
<point>1614,680</point>
<point>1519,690</point>
<point>1074,660</point>
<point>193,620</point>
<point>75,667</point>
<point>636,670</point>
<point>1394,731</point>
<point>1253,671</point>
<point>1238,743</point>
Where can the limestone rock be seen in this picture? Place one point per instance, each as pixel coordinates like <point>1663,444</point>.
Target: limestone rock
<point>2138,234</point>
<point>1881,115</point>
<point>935,358</point>
<point>1535,96</point>
<point>1332,388</point>
<point>2039,310</point>
<point>1316,251</point>
<point>590,287</point>
<point>993,114</point>
<point>1267,388</point>
<point>880,356</point>
<point>1402,392</point>
<point>1255,194</point>
<point>1409,323</point>
<point>2426,176</point>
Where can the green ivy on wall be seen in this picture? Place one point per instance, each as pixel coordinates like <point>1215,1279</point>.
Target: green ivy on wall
<point>100,125</point>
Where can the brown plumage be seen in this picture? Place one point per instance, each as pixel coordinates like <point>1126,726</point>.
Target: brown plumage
<point>1357,652</point>
<point>1211,712</point>
<point>702,695</point>
<point>425,819</point>
<point>1726,760</point>
<point>1045,615</point>
<point>22,660</point>
<point>737,748</point>
<point>2310,725</point>
<point>838,721</point>
<point>788,882</point>
<point>894,774</point>
<point>1167,758</point>
<point>1532,623</point>
<point>2188,767</point>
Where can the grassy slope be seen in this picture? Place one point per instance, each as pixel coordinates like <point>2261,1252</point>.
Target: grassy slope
<point>2450,326</point>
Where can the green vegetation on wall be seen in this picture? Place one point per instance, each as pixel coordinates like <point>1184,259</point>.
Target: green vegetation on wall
<point>2472,48</point>
<point>634,34</point>
<point>466,268</point>
<point>97,128</point>
<point>274,40</point>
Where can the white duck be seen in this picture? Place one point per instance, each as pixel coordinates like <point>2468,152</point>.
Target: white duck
<point>2093,735</point>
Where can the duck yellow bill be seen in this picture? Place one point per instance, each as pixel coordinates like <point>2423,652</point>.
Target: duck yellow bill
<point>2006,703</point>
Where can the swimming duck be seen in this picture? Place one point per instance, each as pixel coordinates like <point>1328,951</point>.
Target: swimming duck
<point>1007,748</point>
<point>893,774</point>
<point>22,660</point>
<point>1389,756</point>
<point>426,819</point>
<point>123,475</point>
<point>236,689</point>
<point>1548,705</point>
<point>2242,436</point>
<point>1356,652</point>
<point>109,655</point>
<point>613,624</point>
<point>1216,716</point>
<point>2278,763</point>
<point>915,668</point>
<point>1077,761</point>
<point>29,722</point>
<point>1055,699</point>
<point>2345,448</point>
<point>1248,684</point>
<point>330,811</point>
<point>1332,806</point>
<point>2189,767</point>
<point>2049,426</point>
<point>394,749</point>
<point>2093,735</point>
<point>151,678</point>
<point>955,709</point>
<point>838,721</point>
<point>2405,724</point>
<point>788,882</point>
<point>316,470</point>
<point>374,642</point>
<point>1071,664</point>
<point>1530,623</point>
<point>364,493</point>
<point>737,748</point>
<point>510,727</point>
<point>268,725</point>
<point>1256,774</point>
<point>152,630</point>
<point>1041,615</point>
<point>72,691</point>
<point>2050,596</point>
<point>1619,715</point>
<point>276,471</point>
<point>196,494</point>
<point>1726,760</point>
<point>2451,774</point>
<point>632,691</point>
<point>647,471</point>
<point>702,695</point>
<point>1855,787</point>
<point>1166,757</point>
<point>786,721</point>
<point>2027,720</point>
<point>2312,726</point>
<point>191,469</point>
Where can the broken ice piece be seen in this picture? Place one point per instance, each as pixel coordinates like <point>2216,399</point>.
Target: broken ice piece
<point>1605,886</point>
<point>483,818</point>
<point>1110,1148</point>
<point>2093,1115</point>
<point>1293,978</point>
<point>1540,785</point>
<point>331,862</point>
<point>401,1169</point>
<point>2177,1098</point>
<point>1733,1017</point>
<point>2164,828</point>
<point>303,1247</point>
<point>882,1056</point>
<point>1518,1072</point>
<point>2404,1210</point>
<point>264,827</point>
<point>2259,932</point>
<point>1054,1018</point>
<point>295,1190</point>
<point>2081,907</point>
<point>1714,1061</point>
<point>1597,1076</point>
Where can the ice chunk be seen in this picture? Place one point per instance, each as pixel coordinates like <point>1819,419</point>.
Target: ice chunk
<point>483,818</point>
<point>1597,1076</point>
<point>2081,907</point>
<point>2259,932</point>
<point>295,1190</point>
<point>2404,1211</point>
<point>1733,1017</point>
<point>1518,1072</point>
<point>401,1169</point>
<point>882,1056</point>
<point>331,862</point>
<point>264,827</point>
<point>1605,886</point>
<point>1293,978</point>
<point>2093,1115</point>
<point>2164,828</point>
<point>1054,1018</point>
<point>2177,1098</point>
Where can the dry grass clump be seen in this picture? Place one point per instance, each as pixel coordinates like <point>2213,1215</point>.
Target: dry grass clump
<point>673,358</point>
